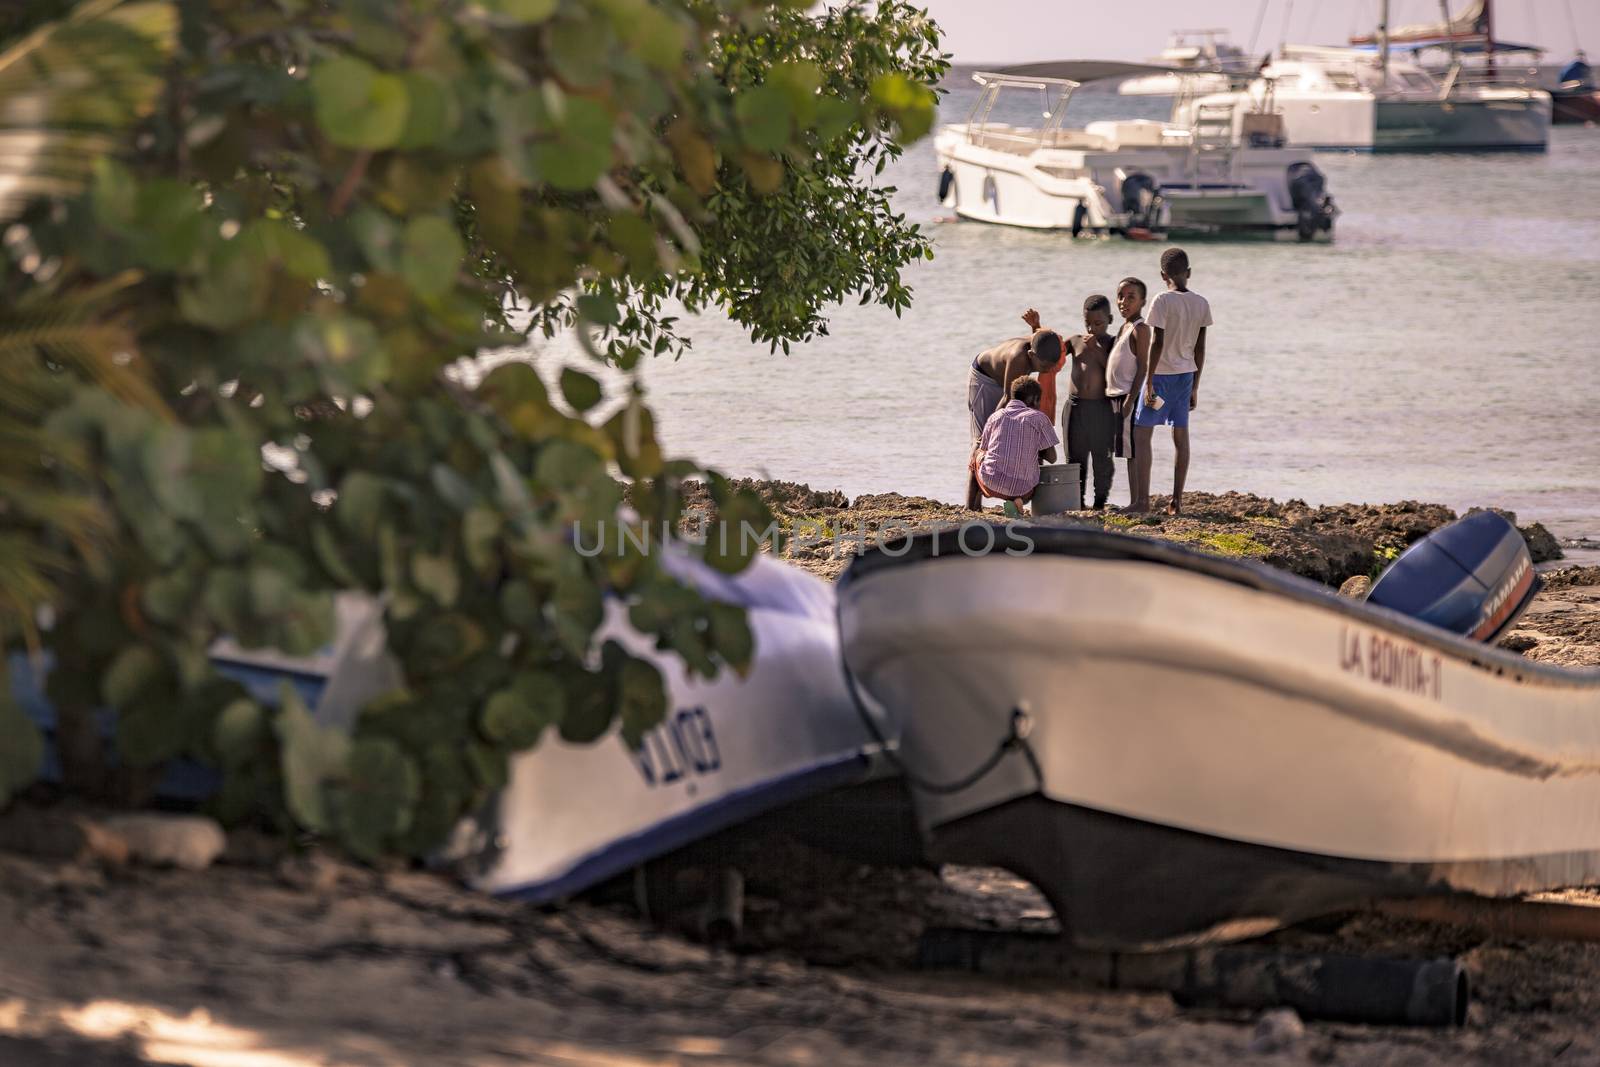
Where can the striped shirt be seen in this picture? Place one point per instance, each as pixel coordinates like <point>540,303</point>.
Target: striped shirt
<point>1012,440</point>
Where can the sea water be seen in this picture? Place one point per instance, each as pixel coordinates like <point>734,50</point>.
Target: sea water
<point>1442,348</point>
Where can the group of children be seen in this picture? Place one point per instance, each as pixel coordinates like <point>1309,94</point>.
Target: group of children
<point>1119,389</point>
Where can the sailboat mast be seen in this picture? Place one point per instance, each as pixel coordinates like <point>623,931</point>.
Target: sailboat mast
<point>1383,38</point>
<point>1488,33</point>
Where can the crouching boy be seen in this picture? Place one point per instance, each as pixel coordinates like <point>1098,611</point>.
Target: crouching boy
<point>1015,440</point>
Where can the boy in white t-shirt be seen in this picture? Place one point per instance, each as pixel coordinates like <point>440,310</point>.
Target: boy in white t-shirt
<point>1178,318</point>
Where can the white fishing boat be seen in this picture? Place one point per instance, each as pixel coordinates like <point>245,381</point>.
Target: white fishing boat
<point>1210,62</point>
<point>575,814</point>
<point>1177,748</point>
<point>1214,173</point>
<point>730,749</point>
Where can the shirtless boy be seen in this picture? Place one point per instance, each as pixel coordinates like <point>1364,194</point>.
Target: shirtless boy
<point>1089,420</point>
<point>992,374</point>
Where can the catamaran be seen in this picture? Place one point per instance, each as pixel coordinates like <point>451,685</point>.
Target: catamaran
<point>1214,173</point>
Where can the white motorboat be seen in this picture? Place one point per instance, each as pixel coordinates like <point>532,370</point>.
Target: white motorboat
<point>1210,63</point>
<point>575,814</point>
<point>1214,174</point>
<point>1177,748</point>
<point>730,749</point>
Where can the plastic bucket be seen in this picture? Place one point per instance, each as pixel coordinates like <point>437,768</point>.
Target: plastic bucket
<point>1060,489</point>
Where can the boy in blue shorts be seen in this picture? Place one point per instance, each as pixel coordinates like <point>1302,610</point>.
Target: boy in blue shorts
<point>1178,319</point>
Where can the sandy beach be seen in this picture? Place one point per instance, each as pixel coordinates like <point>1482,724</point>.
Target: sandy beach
<point>274,958</point>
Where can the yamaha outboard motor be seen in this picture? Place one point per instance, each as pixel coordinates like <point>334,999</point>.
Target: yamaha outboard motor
<point>1313,207</point>
<point>1141,200</point>
<point>1472,577</point>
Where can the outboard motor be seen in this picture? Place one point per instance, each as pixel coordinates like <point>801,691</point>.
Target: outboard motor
<point>1313,207</point>
<point>947,182</point>
<point>1141,200</point>
<point>1472,577</point>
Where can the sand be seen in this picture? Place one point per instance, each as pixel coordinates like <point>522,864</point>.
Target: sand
<point>272,959</point>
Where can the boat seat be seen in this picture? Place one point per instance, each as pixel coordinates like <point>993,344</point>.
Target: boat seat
<point>1131,133</point>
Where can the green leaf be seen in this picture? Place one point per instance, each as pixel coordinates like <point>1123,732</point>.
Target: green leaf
<point>332,559</point>
<point>238,733</point>
<point>576,606</point>
<point>566,464</point>
<point>430,255</point>
<point>799,82</point>
<point>377,797</point>
<point>524,12</point>
<point>765,115</point>
<point>590,707</point>
<point>581,390</point>
<point>436,576</point>
<point>520,606</point>
<point>21,749</point>
<point>517,715</point>
<point>452,488</point>
<point>150,732</point>
<point>312,757</point>
<point>731,636</point>
<point>359,505</point>
<point>480,536</point>
<point>599,309</point>
<point>166,597</point>
<point>641,697</point>
<point>742,521</point>
<point>432,113</point>
<point>135,668</point>
<point>579,148</point>
<point>356,106</point>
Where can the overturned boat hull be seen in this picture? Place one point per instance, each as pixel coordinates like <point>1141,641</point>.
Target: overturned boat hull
<point>1207,750</point>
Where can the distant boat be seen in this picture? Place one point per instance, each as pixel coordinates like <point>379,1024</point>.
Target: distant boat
<point>1213,173</point>
<point>1210,62</point>
<point>1354,99</point>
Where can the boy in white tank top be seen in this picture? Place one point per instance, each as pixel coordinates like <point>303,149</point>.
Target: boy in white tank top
<point>1130,361</point>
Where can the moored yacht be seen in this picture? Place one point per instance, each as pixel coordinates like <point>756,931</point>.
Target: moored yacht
<point>1210,63</point>
<point>1350,98</point>
<point>1214,173</point>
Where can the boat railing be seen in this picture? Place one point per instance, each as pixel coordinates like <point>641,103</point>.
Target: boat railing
<point>1507,77</point>
<point>1055,91</point>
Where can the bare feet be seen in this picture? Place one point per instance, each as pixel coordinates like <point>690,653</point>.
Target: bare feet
<point>1174,509</point>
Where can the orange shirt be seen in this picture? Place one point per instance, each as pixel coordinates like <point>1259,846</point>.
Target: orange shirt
<point>1047,387</point>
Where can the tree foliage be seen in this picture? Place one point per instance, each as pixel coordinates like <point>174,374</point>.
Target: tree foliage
<point>247,243</point>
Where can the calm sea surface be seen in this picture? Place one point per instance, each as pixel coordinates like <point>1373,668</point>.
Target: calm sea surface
<point>1445,347</point>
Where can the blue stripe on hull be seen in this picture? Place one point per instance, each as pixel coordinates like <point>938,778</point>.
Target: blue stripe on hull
<point>679,830</point>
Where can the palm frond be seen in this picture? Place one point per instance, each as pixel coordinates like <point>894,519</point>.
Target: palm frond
<point>69,89</point>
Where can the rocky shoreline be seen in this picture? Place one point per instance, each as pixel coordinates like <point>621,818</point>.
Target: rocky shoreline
<point>275,957</point>
<point>1327,544</point>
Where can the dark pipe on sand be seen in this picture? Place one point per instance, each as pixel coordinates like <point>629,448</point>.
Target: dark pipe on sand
<point>1336,988</point>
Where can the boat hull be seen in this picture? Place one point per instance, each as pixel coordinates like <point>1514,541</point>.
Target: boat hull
<point>1294,753</point>
<point>730,749</point>
<point>1426,125</point>
<point>1575,108</point>
<point>1076,189</point>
